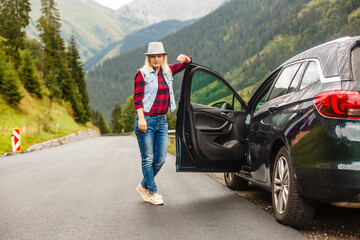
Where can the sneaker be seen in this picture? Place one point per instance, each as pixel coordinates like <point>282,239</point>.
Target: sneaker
<point>156,199</point>
<point>144,193</point>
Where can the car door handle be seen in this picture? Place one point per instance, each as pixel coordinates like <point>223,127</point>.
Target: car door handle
<point>224,114</point>
<point>273,109</point>
<point>218,129</point>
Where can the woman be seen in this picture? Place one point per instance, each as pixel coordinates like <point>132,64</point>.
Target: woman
<point>153,95</point>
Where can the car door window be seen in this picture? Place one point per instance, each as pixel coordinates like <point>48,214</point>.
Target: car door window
<point>295,82</point>
<point>208,90</point>
<point>283,82</point>
<point>311,75</point>
<point>237,105</point>
<point>260,98</point>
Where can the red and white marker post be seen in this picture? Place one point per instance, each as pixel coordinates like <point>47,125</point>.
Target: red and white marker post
<point>15,140</point>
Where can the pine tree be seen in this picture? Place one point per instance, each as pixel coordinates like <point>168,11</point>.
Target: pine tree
<point>51,83</point>
<point>77,74</point>
<point>99,121</point>
<point>94,117</point>
<point>116,120</point>
<point>57,72</point>
<point>49,25</point>
<point>2,66</point>
<point>128,114</point>
<point>103,126</point>
<point>27,75</point>
<point>14,17</point>
<point>71,93</point>
<point>9,84</point>
<point>8,81</point>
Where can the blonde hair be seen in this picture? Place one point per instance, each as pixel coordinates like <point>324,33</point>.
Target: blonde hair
<point>164,65</point>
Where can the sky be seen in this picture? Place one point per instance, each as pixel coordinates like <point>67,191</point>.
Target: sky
<point>114,4</point>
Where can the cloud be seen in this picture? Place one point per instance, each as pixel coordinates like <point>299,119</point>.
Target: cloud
<point>114,4</point>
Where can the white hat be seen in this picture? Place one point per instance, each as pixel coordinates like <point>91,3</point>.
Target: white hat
<point>155,48</point>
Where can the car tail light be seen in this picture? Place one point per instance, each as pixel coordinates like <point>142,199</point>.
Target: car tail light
<point>339,104</point>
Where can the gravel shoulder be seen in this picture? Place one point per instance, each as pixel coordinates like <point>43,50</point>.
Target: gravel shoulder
<point>329,223</point>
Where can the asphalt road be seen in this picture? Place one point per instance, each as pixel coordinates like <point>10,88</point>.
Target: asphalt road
<point>86,190</point>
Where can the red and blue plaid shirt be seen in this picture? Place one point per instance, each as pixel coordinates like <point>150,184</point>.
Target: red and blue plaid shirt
<point>162,99</point>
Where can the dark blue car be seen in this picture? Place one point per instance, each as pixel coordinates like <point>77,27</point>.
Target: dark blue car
<point>298,136</point>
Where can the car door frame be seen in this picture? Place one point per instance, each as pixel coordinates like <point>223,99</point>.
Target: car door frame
<point>187,158</point>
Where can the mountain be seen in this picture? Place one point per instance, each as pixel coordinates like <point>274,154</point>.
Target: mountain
<point>243,40</point>
<point>137,39</point>
<point>150,12</point>
<point>96,26</point>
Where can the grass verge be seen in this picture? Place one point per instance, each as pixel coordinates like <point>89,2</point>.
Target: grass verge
<point>37,120</point>
<point>172,148</point>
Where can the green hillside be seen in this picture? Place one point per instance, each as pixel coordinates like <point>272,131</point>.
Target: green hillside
<point>42,85</point>
<point>94,25</point>
<point>36,121</point>
<point>243,40</point>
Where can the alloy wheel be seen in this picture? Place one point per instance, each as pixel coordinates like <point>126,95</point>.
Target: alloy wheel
<point>281,185</point>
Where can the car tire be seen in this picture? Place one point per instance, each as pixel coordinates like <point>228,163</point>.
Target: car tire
<point>234,182</point>
<point>289,206</point>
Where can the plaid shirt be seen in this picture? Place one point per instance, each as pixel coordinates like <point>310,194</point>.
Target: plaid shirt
<point>161,103</point>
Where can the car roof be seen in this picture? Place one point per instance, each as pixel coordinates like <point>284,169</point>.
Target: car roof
<point>334,57</point>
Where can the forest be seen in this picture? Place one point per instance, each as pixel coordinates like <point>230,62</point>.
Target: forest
<point>42,83</point>
<point>244,40</point>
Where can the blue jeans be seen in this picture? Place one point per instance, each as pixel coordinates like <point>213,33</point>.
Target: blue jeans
<point>153,146</point>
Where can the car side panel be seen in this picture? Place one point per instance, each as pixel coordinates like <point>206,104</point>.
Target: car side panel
<point>282,120</point>
<point>329,149</point>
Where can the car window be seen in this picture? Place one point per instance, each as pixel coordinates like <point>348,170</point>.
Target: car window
<point>283,82</point>
<point>262,101</point>
<point>207,89</point>
<point>355,62</point>
<point>311,75</point>
<point>265,90</point>
<point>297,78</point>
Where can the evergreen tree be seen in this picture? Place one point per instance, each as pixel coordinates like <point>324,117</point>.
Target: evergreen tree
<point>49,25</point>
<point>117,123</point>
<point>57,72</point>
<point>94,117</point>
<point>14,17</point>
<point>8,81</point>
<point>66,83</point>
<point>52,83</point>
<point>128,114</point>
<point>77,74</point>
<point>27,75</point>
<point>2,66</point>
<point>102,125</point>
<point>9,84</point>
<point>99,121</point>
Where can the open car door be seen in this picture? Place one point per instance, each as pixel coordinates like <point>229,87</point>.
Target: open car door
<point>210,127</point>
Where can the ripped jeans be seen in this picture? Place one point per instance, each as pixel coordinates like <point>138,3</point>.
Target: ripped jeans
<point>153,146</point>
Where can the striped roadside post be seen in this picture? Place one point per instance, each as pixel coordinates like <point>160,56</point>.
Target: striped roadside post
<point>15,140</point>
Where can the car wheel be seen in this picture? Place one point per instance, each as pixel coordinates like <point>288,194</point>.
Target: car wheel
<point>234,182</point>
<point>289,206</point>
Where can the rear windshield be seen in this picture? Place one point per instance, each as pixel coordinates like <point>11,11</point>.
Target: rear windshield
<point>355,62</point>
